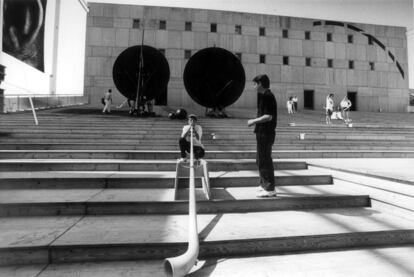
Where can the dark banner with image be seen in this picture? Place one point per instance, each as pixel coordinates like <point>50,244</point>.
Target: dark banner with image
<point>23,30</point>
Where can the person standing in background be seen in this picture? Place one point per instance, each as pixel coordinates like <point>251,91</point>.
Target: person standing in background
<point>107,99</point>
<point>295,104</point>
<point>265,125</point>
<point>289,106</point>
<point>329,108</point>
<point>345,106</point>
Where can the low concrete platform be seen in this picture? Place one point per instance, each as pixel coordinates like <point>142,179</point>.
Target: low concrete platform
<point>133,165</point>
<point>379,262</point>
<point>97,238</point>
<point>154,179</point>
<point>400,170</point>
<point>285,152</point>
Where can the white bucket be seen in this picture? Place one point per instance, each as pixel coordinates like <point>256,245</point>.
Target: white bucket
<point>302,136</point>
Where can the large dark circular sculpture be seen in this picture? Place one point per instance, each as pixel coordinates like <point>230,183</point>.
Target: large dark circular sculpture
<point>155,73</point>
<point>214,77</point>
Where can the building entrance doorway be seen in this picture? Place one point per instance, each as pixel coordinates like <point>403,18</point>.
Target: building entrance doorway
<point>308,99</point>
<point>352,96</point>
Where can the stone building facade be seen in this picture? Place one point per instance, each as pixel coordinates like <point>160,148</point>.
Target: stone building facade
<point>303,57</point>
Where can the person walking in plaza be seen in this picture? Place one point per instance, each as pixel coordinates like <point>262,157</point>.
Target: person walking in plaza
<point>107,99</point>
<point>329,108</point>
<point>185,142</point>
<point>345,107</point>
<point>264,128</point>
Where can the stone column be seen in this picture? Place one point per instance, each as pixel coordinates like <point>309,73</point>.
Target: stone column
<point>52,90</point>
<point>410,53</point>
<point>1,56</point>
<point>1,27</point>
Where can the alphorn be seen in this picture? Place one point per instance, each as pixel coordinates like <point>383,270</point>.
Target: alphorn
<point>181,265</point>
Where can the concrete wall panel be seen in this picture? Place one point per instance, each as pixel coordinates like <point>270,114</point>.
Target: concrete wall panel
<point>110,31</point>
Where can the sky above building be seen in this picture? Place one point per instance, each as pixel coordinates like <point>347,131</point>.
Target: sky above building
<point>381,12</point>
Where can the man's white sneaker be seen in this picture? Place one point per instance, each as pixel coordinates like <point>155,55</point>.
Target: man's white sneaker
<point>259,188</point>
<point>265,193</point>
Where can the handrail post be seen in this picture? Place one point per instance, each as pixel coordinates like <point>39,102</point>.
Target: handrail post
<point>33,110</point>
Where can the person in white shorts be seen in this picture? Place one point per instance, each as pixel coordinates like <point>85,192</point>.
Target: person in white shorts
<point>345,106</point>
<point>329,107</point>
<point>289,106</point>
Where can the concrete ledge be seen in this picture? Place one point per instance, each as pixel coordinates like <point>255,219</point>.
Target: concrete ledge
<point>22,103</point>
<point>278,245</point>
<point>142,182</point>
<point>228,248</point>
<point>181,207</point>
<point>135,165</point>
<point>401,152</point>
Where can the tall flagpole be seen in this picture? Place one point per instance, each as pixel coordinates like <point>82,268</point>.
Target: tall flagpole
<point>140,69</point>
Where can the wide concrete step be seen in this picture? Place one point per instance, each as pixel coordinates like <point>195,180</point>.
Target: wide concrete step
<point>154,179</point>
<point>15,203</point>
<point>221,124</point>
<point>283,150</point>
<point>133,165</point>
<point>165,136</point>
<point>309,143</point>
<point>100,126</point>
<point>241,123</point>
<point>229,132</point>
<point>373,261</point>
<point>238,139</point>
<point>155,127</point>
<point>157,130</point>
<point>110,140</point>
<point>171,154</point>
<point>71,145</point>
<point>107,238</point>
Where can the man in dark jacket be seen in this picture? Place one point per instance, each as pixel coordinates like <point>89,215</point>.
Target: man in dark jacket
<point>265,125</point>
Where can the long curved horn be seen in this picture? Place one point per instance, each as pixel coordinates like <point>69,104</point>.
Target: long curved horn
<point>179,266</point>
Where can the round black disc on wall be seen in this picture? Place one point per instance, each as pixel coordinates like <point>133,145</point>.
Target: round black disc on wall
<point>155,72</point>
<point>214,77</point>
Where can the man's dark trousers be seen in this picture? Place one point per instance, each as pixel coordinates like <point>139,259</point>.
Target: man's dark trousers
<point>185,146</point>
<point>264,160</point>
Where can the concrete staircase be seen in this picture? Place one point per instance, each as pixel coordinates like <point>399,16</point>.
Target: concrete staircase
<point>86,191</point>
